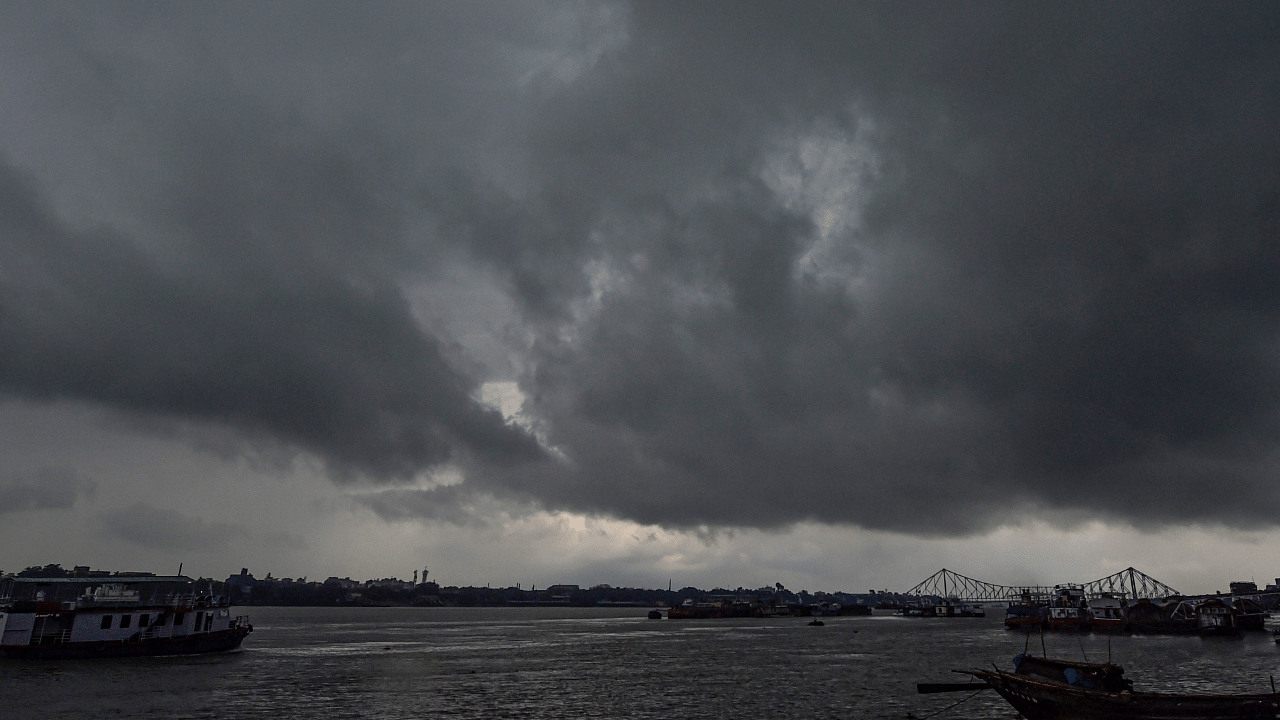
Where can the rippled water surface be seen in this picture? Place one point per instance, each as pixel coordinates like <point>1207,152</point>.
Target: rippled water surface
<point>586,662</point>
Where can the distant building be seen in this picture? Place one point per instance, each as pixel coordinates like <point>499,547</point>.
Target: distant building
<point>390,583</point>
<point>344,583</point>
<point>241,586</point>
<point>1244,588</point>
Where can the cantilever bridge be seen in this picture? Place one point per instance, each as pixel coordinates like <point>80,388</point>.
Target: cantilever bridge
<point>1128,583</point>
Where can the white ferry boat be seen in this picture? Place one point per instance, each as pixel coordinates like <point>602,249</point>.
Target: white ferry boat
<point>114,615</point>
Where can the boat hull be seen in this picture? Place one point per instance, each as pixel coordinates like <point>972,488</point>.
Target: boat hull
<point>1037,699</point>
<point>1025,616</point>
<point>1107,625</point>
<point>1066,619</point>
<point>211,642</point>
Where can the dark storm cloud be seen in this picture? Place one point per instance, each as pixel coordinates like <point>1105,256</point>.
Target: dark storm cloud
<point>1070,245</point>
<point>280,346</point>
<point>45,489</point>
<point>1045,280</point>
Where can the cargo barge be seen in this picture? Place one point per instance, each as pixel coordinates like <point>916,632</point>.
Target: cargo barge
<point>734,608</point>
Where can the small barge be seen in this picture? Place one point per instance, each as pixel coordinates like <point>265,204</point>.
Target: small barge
<point>114,616</point>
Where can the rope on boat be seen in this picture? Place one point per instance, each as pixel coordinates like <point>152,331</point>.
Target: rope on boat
<point>939,712</point>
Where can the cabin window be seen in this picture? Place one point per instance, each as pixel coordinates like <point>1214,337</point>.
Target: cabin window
<point>142,619</point>
<point>124,620</point>
<point>199,620</point>
<point>208,622</point>
<point>106,622</point>
<point>177,618</point>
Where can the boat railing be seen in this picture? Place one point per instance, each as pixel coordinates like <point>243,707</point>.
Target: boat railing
<point>57,637</point>
<point>181,599</point>
<point>175,599</point>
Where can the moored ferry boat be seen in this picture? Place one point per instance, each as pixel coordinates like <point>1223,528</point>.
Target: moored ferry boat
<point>1024,616</point>
<point>1106,614</point>
<point>951,607</point>
<point>115,615</point>
<point>946,608</point>
<point>1028,613</point>
<point>917,611</point>
<point>713,609</point>
<point>1068,610</point>
<point>1066,618</point>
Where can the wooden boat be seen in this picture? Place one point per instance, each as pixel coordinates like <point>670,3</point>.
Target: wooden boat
<point>1215,617</point>
<point>1045,689</point>
<point>1172,615</point>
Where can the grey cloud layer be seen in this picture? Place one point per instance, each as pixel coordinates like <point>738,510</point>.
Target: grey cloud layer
<point>150,527</point>
<point>46,489</point>
<point>1055,289</point>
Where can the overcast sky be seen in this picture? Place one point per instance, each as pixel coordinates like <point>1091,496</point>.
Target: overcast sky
<point>829,294</point>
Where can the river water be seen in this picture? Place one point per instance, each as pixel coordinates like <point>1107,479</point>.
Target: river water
<point>384,663</point>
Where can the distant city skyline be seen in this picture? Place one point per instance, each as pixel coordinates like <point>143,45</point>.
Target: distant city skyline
<point>414,579</point>
<point>1130,582</point>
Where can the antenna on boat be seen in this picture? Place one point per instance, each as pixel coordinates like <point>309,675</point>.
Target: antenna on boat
<point>179,568</point>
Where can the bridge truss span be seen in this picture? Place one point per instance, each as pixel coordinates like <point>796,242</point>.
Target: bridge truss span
<point>1128,583</point>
